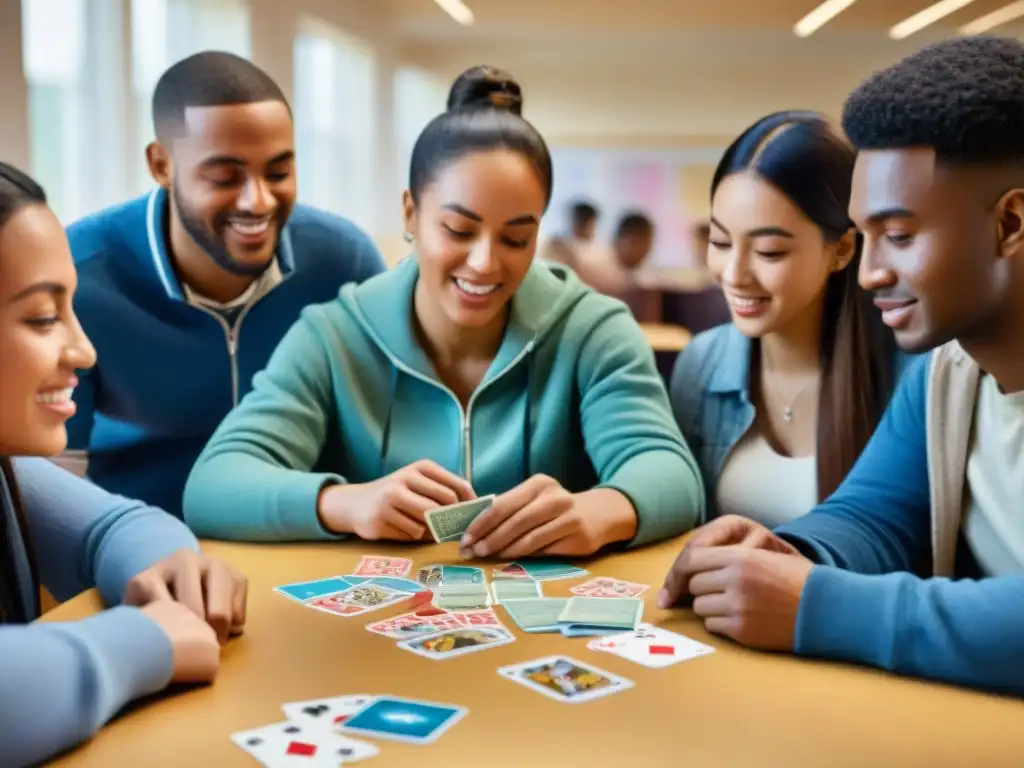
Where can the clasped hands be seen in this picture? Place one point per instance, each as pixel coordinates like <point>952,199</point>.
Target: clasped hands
<point>536,517</point>
<point>745,582</point>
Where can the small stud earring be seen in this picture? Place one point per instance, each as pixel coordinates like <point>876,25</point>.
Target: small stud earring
<point>407,236</point>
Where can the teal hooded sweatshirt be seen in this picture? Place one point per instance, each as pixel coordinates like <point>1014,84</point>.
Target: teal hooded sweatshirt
<point>350,396</point>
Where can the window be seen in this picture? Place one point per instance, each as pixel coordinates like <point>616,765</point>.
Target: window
<point>335,122</point>
<point>419,98</point>
<point>75,114</point>
<point>167,31</point>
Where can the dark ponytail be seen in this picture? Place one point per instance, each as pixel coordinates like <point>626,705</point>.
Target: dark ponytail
<point>801,155</point>
<point>485,107</point>
<point>16,191</point>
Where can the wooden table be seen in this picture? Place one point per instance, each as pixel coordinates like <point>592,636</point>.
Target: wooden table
<point>666,338</point>
<point>732,708</point>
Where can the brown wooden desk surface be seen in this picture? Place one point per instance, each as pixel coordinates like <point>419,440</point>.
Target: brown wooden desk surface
<point>732,708</point>
<point>666,338</point>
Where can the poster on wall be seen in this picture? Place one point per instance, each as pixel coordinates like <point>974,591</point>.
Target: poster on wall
<point>621,181</point>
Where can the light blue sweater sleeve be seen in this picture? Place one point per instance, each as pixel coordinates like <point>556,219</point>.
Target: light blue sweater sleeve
<point>61,682</point>
<point>868,603</point>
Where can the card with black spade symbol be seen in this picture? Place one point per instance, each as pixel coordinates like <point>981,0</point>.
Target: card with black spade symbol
<point>289,745</point>
<point>326,714</point>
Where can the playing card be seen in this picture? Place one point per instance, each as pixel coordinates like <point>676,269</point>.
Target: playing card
<point>515,589</point>
<point>651,646</point>
<point>482,618</point>
<point>289,745</point>
<point>356,600</point>
<point>391,582</point>
<point>449,523</point>
<point>565,679</point>
<point>537,615</point>
<point>383,566</point>
<point>509,571</point>
<point>606,587</point>
<point>418,722</point>
<point>406,625</point>
<point>602,613</point>
<point>549,570</point>
<point>429,576</point>
<point>457,642</point>
<point>308,590</point>
<point>325,714</point>
<point>462,574</point>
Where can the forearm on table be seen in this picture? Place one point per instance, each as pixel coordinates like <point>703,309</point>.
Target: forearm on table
<point>963,632</point>
<point>59,683</point>
<point>611,513</point>
<point>665,490</point>
<point>239,497</point>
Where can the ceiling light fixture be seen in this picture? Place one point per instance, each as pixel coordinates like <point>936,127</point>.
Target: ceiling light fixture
<point>457,10</point>
<point>994,19</point>
<point>820,16</point>
<point>926,18</point>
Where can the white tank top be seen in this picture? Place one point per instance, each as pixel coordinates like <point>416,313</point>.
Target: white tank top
<point>758,483</point>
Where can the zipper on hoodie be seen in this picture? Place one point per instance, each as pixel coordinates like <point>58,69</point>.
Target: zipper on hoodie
<point>465,414</point>
<point>231,339</point>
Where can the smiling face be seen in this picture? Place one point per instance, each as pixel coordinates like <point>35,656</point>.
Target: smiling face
<point>931,245</point>
<point>41,342</point>
<point>231,176</point>
<point>475,227</point>
<point>772,261</point>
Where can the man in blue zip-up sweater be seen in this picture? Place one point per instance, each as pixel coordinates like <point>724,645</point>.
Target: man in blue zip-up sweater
<point>916,563</point>
<point>186,291</point>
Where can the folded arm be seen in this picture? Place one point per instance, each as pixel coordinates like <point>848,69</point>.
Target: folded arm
<point>253,481</point>
<point>630,434</point>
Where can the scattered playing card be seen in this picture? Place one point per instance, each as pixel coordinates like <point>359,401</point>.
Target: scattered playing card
<point>651,646</point>
<point>509,571</point>
<point>391,582</point>
<point>515,589</point>
<point>549,570</point>
<point>308,590</point>
<point>418,722</point>
<point>603,586</point>
<point>537,615</point>
<point>481,618</point>
<point>290,744</point>
<point>383,566</point>
<point>430,576</point>
<point>458,642</point>
<point>356,600</point>
<point>565,679</point>
<point>449,523</point>
<point>325,714</point>
<point>602,613</point>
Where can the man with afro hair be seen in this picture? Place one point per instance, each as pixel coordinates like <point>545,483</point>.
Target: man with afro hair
<point>916,563</point>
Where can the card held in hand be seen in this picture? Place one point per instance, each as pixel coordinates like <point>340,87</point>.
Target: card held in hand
<point>449,523</point>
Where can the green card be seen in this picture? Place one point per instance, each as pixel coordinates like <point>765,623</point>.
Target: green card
<point>603,612</point>
<point>515,589</point>
<point>537,614</point>
<point>449,523</point>
<point>550,570</point>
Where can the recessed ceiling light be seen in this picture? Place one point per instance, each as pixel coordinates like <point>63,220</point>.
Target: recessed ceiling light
<point>820,16</point>
<point>926,18</point>
<point>457,10</point>
<point>994,19</point>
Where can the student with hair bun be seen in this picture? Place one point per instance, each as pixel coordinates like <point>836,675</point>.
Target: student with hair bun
<point>467,370</point>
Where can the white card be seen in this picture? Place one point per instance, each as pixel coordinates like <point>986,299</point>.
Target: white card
<point>457,642</point>
<point>289,745</point>
<point>565,679</point>
<point>325,714</point>
<point>651,646</point>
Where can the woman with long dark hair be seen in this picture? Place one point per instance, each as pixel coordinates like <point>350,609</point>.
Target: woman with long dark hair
<point>778,404</point>
<point>60,682</point>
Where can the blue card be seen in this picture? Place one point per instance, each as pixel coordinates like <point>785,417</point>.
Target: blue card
<point>417,722</point>
<point>310,590</point>
<point>391,582</point>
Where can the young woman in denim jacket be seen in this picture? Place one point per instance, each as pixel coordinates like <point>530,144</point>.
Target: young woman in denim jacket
<point>778,404</point>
